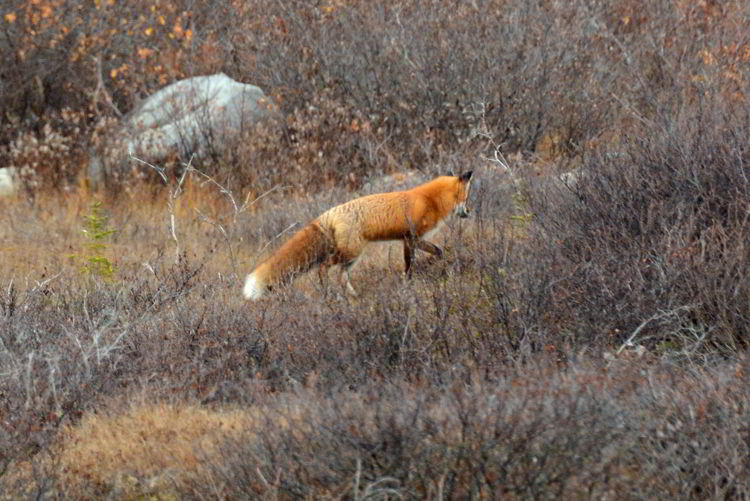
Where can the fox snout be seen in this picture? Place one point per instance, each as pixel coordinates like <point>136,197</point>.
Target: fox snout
<point>462,211</point>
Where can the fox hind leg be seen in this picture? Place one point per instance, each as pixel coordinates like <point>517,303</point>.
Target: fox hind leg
<point>323,276</point>
<point>347,255</point>
<point>345,278</point>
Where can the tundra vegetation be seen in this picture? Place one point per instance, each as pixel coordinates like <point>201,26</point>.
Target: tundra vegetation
<point>584,336</point>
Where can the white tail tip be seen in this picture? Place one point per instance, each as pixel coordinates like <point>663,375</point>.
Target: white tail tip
<point>253,288</point>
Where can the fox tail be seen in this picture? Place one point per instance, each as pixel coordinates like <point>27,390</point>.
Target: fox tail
<point>310,246</point>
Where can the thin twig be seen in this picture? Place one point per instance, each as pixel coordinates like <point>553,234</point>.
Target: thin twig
<point>159,170</point>
<point>174,194</point>
<point>661,314</point>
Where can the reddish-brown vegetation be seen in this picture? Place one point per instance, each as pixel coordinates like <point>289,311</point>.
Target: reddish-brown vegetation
<point>580,339</point>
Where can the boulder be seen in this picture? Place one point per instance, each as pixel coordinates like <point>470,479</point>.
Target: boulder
<point>194,116</point>
<point>8,181</point>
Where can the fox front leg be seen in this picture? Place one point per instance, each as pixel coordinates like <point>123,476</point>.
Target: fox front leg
<point>408,257</point>
<point>430,248</point>
<point>410,245</point>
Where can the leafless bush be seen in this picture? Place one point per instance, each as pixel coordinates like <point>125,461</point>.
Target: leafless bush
<point>320,145</point>
<point>47,161</point>
<point>388,85</point>
<point>431,76</point>
<point>653,236</point>
<point>537,434</point>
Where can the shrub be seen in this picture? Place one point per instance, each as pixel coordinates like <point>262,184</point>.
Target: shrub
<point>546,78</point>
<point>653,238</point>
<point>536,434</point>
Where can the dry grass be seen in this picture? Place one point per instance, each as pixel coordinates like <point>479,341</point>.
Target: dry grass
<point>155,445</point>
<point>48,234</point>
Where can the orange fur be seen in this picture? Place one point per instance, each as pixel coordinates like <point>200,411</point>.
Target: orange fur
<point>339,235</point>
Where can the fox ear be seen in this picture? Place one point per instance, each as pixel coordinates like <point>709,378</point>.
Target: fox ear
<point>465,176</point>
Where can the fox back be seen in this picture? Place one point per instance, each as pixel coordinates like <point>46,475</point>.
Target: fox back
<point>399,214</point>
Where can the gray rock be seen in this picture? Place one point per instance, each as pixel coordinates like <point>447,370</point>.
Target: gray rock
<point>195,116</point>
<point>8,181</point>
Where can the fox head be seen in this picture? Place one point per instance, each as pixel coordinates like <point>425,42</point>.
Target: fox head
<point>462,194</point>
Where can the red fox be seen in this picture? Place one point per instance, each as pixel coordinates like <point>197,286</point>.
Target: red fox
<point>340,234</point>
